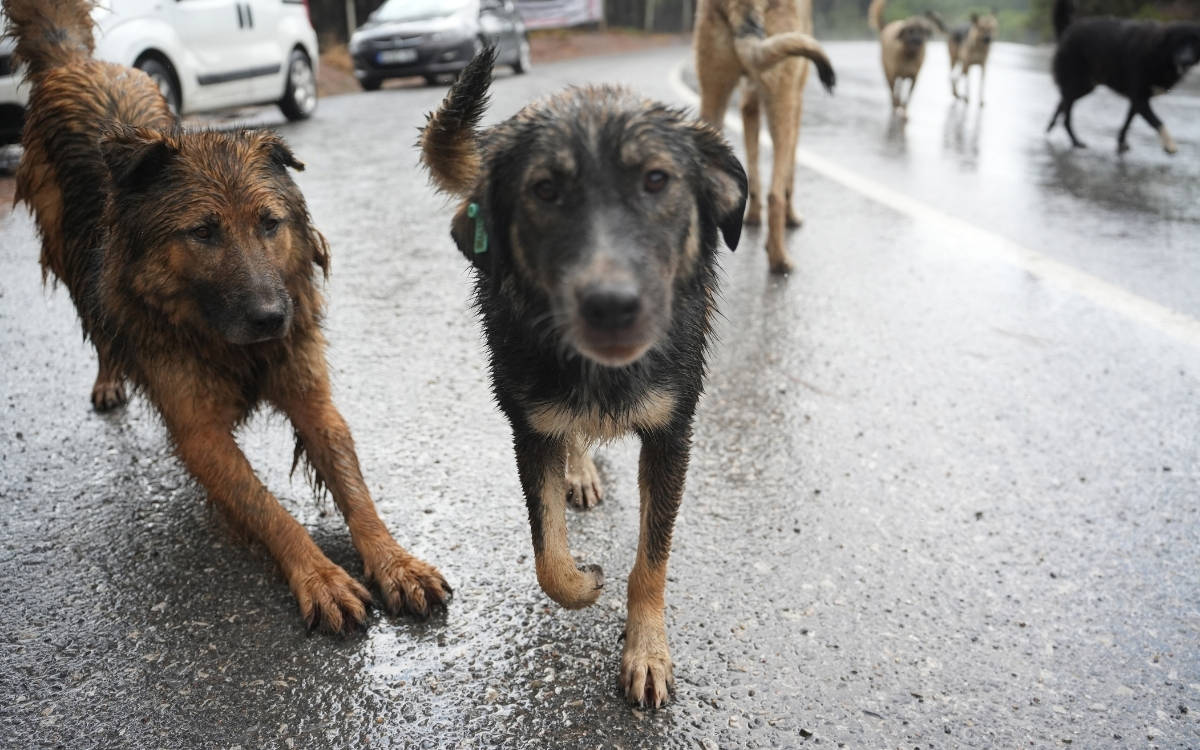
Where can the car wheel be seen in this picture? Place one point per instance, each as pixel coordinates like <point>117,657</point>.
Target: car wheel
<point>300,95</point>
<point>163,79</point>
<point>431,80</point>
<point>524,59</point>
<point>370,83</point>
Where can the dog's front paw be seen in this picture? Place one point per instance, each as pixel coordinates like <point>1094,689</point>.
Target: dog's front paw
<point>409,585</point>
<point>108,395</point>
<point>647,675</point>
<point>330,599</point>
<point>794,220</point>
<point>583,482</point>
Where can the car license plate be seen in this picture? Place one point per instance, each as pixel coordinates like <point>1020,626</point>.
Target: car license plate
<point>396,56</point>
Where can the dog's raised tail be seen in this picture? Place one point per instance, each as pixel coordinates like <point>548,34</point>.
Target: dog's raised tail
<point>875,14</point>
<point>450,139</point>
<point>49,33</point>
<point>1063,11</point>
<point>758,54</point>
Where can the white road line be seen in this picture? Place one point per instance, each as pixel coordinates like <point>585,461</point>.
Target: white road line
<point>986,244</point>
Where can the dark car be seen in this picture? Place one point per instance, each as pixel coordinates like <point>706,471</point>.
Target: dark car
<point>432,37</point>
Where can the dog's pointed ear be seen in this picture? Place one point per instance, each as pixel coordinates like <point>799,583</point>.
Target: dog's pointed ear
<point>723,182</point>
<point>974,18</point>
<point>135,157</point>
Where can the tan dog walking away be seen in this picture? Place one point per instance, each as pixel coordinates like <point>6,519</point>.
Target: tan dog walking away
<point>969,46</point>
<point>902,46</point>
<point>191,260</point>
<point>769,43</point>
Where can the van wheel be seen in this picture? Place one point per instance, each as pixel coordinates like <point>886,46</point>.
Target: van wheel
<point>300,95</point>
<point>163,79</point>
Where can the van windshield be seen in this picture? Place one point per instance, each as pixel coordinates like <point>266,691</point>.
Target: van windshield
<point>415,10</point>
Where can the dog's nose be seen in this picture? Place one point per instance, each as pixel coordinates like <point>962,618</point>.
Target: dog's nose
<point>610,307</point>
<point>268,317</point>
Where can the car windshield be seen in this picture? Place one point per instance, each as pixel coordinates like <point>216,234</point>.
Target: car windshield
<point>415,10</point>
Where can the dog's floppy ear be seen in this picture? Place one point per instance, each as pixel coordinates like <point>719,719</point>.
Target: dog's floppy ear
<point>279,152</point>
<point>135,157</point>
<point>723,193</point>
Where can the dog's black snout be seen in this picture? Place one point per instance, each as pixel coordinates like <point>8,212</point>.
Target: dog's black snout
<point>610,307</point>
<point>268,317</point>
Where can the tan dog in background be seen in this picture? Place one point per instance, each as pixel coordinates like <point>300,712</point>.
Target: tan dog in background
<point>902,46</point>
<point>768,42</point>
<point>969,45</point>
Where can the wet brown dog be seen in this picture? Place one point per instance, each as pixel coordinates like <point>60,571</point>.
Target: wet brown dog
<point>591,218</point>
<point>902,47</point>
<point>969,45</point>
<point>768,43</point>
<point>191,260</point>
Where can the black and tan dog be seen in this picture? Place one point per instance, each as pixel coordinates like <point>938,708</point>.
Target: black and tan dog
<point>902,47</point>
<point>970,43</point>
<point>591,218</point>
<point>1137,59</point>
<point>191,260</point>
<point>768,43</point>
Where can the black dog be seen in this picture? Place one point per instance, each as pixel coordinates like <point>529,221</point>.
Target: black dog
<point>591,218</point>
<point>1137,59</point>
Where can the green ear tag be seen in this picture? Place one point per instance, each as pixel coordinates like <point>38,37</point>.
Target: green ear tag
<point>481,238</point>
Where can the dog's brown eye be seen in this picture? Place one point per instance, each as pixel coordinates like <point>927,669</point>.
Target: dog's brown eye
<point>270,224</point>
<point>655,180</point>
<point>202,233</point>
<point>545,190</point>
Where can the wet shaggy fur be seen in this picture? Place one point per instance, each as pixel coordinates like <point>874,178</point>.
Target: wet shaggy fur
<point>902,48</point>
<point>969,45</point>
<point>1136,59</point>
<point>600,211</point>
<point>192,263</point>
<point>767,43</point>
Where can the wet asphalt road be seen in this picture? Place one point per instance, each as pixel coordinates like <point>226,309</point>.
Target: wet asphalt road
<point>939,497</point>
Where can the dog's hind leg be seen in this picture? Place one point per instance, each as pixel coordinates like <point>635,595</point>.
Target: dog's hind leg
<point>1122,144</point>
<point>583,481</point>
<point>1067,105</point>
<point>541,464</point>
<point>751,125</point>
<point>108,392</point>
<point>1057,113</point>
<point>646,671</point>
<point>406,583</point>
<point>718,72</point>
<point>783,120</point>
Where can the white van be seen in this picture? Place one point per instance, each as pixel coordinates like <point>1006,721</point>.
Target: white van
<point>203,54</point>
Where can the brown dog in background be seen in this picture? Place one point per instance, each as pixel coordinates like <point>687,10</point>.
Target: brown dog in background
<point>191,257</point>
<point>902,46</point>
<point>969,45</point>
<point>769,43</point>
